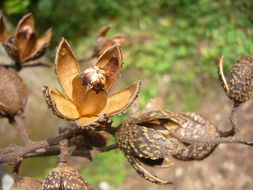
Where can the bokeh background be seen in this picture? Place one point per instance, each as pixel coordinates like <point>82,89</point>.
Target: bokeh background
<point>172,47</point>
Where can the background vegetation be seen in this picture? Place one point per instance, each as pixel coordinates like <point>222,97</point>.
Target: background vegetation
<point>172,47</point>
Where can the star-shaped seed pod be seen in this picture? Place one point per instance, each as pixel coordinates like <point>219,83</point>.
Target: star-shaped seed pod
<point>65,177</point>
<point>102,43</point>
<point>151,139</point>
<point>239,87</point>
<point>85,98</point>
<point>24,46</point>
<point>13,94</point>
<point>26,183</point>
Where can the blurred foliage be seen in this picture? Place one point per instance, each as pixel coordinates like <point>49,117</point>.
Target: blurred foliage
<point>109,167</point>
<point>172,47</point>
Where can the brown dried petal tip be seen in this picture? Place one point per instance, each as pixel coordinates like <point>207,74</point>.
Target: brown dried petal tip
<point>26,183</point>
<point>65,177</point>
<point>14,93</point>
<point>4,36</point>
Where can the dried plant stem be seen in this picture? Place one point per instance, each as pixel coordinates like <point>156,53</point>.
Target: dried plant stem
<point>22,131</point>
<point>215,141</point>
<point>16,167</point>
<point>15,153</point>
<point>233,130</point>
<point>53,151</point>
<point>25,65</point>
<point>64,151</point>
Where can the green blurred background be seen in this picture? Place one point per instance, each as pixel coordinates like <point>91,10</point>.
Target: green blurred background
<point>172,47</point>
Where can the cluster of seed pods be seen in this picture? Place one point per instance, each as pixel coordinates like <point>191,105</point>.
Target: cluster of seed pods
<point>154,138</point>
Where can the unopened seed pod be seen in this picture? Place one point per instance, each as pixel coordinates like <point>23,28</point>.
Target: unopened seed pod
<point>65,177</point>
<point>239,87</point>
<point>13,93</point>
<point>26,183</point>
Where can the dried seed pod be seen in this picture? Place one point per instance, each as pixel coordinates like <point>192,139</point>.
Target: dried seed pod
<point>24,46</point>
<point>65,177</point>
<point>195,127</point>
<point>13,93</point>
<point>86,99</point>
<point>26,183</point>
<point>152,140</point>
<point>147,139</point>
<point>239,88</point>
<point>102,43</point>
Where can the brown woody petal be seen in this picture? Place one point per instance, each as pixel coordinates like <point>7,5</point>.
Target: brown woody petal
<point>110,63</point>
<point>4,36</point>
<point>13,93</point>
<point>26,183</point>
<point>117,40</point>
<point>65,177</point>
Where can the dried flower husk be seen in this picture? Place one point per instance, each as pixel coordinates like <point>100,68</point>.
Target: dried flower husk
<point>239,87</point>
<point>151,139</point>
<point>13,93</point>
<point>26,183</point>
<point>65,177</point>
<point>195,127</point>
<point>82,101</point>
<point>102,43</point>
<point>24,46</point>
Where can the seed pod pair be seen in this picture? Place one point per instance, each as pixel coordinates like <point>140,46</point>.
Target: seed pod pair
<point>86,97</point>
<point>151,139</point>
<point>239,87</point>
<point>24,46</point>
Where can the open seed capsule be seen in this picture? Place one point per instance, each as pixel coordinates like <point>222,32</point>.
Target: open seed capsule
<point>24,46</point>
<point>151,139</point>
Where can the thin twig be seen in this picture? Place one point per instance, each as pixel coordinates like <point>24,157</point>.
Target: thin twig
<point>14,152</point>
<point>214,141</point>
<point>54,151</point>
<point>64,151</point>
<point>233,130</point>
<point>26,65</point>
<point>22,132</point>
<point>37,65</point>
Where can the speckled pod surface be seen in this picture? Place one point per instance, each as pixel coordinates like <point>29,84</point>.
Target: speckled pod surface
<point>239,86</point>
<point>26,183</point>
<point>150,139</point>
<point>65,177</point>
